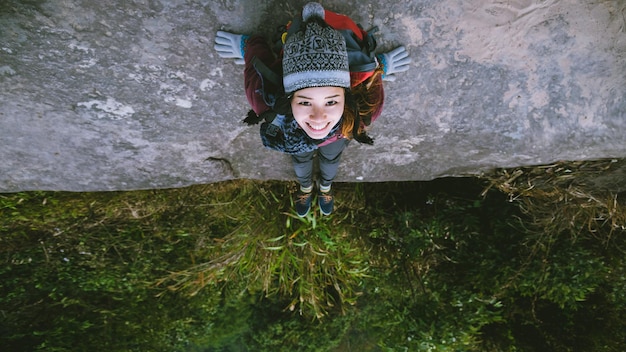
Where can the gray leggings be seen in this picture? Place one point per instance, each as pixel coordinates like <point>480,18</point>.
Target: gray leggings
<point>328,155</point>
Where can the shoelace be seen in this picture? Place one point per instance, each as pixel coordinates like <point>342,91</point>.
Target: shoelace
<point>326,197</point>
<point>304,197</point>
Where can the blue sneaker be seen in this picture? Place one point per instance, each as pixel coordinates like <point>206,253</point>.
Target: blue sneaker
<point>325,201</point>
<point>303,203</point>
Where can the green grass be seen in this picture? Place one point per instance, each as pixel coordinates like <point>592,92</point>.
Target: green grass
<point>230,266</point>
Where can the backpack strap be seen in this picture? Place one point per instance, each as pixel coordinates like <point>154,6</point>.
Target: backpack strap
<point>272,92</point>
<point>265,71</point>
<point>271,82</point>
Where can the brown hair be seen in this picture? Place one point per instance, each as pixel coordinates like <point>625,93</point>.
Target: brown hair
<point>360,98</point>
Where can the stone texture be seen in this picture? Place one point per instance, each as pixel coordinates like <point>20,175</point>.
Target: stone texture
<point>120,95</point>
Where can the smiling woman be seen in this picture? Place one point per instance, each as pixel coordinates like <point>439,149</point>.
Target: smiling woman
<point>328,90</point>
<point>318,109</point>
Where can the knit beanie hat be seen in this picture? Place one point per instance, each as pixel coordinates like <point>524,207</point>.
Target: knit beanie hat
<point>315,56</point>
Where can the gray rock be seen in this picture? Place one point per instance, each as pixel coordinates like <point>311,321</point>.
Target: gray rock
<point>121,95</point>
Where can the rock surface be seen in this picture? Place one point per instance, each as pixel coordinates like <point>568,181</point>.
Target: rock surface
<point>121,95</point>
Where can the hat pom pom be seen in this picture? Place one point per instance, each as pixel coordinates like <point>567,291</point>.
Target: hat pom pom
<point>312,9</point>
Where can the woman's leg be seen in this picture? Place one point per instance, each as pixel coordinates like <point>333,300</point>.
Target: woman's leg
<point>330,156</point>
<point>303,166</point>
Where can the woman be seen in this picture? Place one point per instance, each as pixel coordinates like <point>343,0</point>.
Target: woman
<point>331,89</point>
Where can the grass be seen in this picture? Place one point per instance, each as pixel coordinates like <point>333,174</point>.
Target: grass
<point>87,253</point>
<point>562,198</point>
<point>314,261</point>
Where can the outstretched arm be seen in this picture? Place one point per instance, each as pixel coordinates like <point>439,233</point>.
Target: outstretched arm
<point>244,49</point>
<point>257,47</point>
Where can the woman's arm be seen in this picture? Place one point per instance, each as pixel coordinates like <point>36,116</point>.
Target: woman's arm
<point>258,47</point>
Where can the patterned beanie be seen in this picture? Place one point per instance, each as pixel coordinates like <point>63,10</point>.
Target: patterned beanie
<point>316,56</point>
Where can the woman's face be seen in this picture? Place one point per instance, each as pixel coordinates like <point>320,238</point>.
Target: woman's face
<point>318,109</point>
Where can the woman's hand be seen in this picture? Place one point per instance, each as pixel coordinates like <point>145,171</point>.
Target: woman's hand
<point>395,61</point>
<point>231,46</point>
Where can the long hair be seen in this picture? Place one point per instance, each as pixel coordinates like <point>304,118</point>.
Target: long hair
<point>359,107</point>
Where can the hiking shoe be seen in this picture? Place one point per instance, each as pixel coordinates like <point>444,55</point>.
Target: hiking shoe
<point>325,201</point>
<point>303,203</point>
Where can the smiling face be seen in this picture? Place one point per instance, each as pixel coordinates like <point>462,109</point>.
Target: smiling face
<point>318,109</point>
